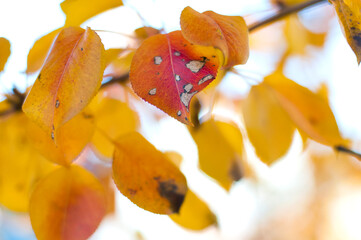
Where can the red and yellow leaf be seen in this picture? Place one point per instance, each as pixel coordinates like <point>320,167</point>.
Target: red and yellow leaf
<point>20,165</point>
<point>167,71</point>
<point>146,176</point>
<point>78,11</point>
<point>349,14</point>
<point>309,111</point>
<point>268,126</point>
<point>228,33</point>
<point>71,76</point>
<point>4,52</point>
<point>68,204</point>
<point>39,51</point>
<point>71,139</point>
<point>220,151</point>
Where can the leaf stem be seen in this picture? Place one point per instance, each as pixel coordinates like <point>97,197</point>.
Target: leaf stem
<point>344,149</point>
<point>283,13</point>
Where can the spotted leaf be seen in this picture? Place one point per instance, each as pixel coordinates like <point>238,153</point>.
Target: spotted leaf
<point>349,13</point>
<point>4,52</point>
<point>146,176</point>
<point>167,71</point>
<point>68,204</point>
<point>228,33</point>
<point>71,76</point>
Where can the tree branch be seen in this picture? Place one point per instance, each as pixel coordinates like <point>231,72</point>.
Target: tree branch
<point>283,13</point>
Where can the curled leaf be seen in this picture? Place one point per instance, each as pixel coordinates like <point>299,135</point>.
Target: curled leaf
<point>71,76</point>
<point>67,205</point>
<point>167,71</point>
<point>4,52</point>
<point>146,176</point>
<point>228,33</point>
<point>349,14</point>
<point>78,11</point>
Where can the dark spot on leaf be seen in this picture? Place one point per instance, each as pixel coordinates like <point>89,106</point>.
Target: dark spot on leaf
<point>312,120</point>
<point>57,103</point>
<point>87,115</point>
<point>81,49</point>
<point>156,178</point>
<point>132,191</point>
<point>184,45</point>
<point>168,189</point>
<point>186,118</point>
<point>235,171</point>
<point>213,65</point>
<point>213,56</point>
<point>204,59</point>
<point>357,39</point>
<point>157,73</point>
<point>39,76</point>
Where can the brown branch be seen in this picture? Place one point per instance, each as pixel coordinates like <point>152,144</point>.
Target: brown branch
<point>348,151</point>
<point>283,13</point>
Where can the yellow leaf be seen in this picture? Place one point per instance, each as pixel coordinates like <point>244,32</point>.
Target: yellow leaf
<point>284,3</point>
<point>4,52</point>
<point>145,32</point>
<point>228,33</point>
<point>68,204</point>
<point>194,213</point>
<point>20,165</point>
<point>268,126</point>
<point>113,119</point>
<point>111,54</point>
<point>39,51</point>
<point>174,157</point>
<point>72,137</point>
<point>309,111</point>
<point>349,14</point>
<point>220,151</point>
<point>78,11</point>
<point>71,76</point>
<point>120,65</point>
<point>146,176</point>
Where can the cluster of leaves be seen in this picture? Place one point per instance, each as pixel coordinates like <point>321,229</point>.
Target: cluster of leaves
<point>65,111</point>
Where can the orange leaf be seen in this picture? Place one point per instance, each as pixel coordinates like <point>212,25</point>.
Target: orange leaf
<point>4,52</point>
<point>309,111</point>
<point>71,139</point>
<point>78,11</point>
<point>39,51</point>
<point>71,76</point>
<point>67,205</point>
<point>349,14</point>
<point>228,33</point>
<point>268,126</point>
<point>167,71</point>
<point>146,176</point>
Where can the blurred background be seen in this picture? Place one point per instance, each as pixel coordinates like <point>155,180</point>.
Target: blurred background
<point>310,193</point>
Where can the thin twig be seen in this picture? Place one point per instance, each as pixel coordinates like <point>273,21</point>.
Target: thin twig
<point>348,151</point>
<point>283,13</point>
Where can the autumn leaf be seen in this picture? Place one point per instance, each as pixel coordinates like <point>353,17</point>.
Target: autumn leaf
<point>78,11</point>
<point>68,204</point>
<point>71,139</point>
<point>4,52</point>
<point>349,14</point>
<point>112,54</point>
<point>120,65</point>
<point>167,71</point>
<point>145,32</point>
<point>21,166</point>
<point>228,33</point>
<point>146,176</point>
<point>71,76</point>
<point>194,213</point>
<point>113,119</point>
<point>309,111</point>
<point>268,126</point>
<point>39,51</point>
<point>284,3</point>
<point>220,151</point>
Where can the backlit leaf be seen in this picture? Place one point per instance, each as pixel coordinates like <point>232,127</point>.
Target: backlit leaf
<point>194,213</point>
<point>145,32</point>
<point>71,76</point>
<point>309,111</point>
<point>78,11</point>
<point>20,165</point>
<point>68,204</point>
<point>111,54</point>
<point>167,71</point>
<point>39,51</point>
<point>220,151</point>
<point>268,126</point>
<point>228,33</point>
<point>120,65</point>
<point>146,176</point>
<point>349,14</point>
<point>4,52</point>
<point>113,119</point>
<point>71,139</point>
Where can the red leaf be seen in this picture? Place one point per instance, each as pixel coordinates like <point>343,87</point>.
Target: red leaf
<point>167,71</point>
